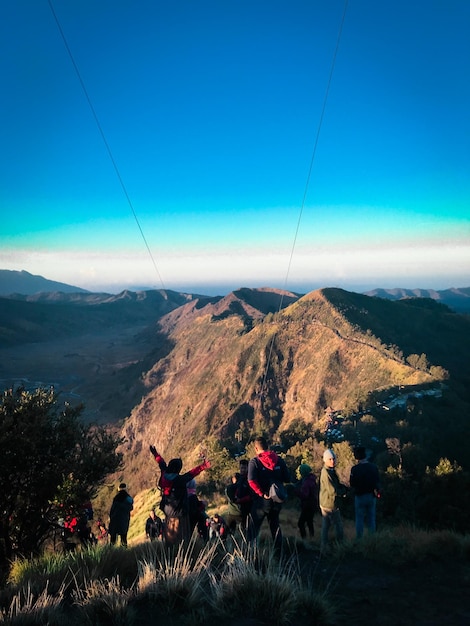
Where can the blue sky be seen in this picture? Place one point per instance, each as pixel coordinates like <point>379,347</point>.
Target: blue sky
<point>212,112</point>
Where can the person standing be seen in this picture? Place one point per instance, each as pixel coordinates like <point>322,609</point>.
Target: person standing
<point>239,497</point>
<point>233,509</point>
<point>174,502</point>
<point>365,482</point>
<point>120,515</point>
<point>265,471</point>
<point>307,493</point>
<point>330,490</point>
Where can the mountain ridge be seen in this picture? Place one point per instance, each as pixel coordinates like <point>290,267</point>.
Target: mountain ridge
<point>176,369</point>
<point>320,351</point>
<point>22,285</point>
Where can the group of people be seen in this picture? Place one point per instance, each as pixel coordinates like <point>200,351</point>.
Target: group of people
<point>256,492</point>
<point>365,485</point>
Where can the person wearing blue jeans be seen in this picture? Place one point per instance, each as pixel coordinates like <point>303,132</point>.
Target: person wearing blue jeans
<point>364,480</point>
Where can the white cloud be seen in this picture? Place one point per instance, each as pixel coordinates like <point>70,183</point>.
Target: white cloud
<point>435,266</point>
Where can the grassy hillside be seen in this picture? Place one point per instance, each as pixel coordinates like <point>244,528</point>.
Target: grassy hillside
<point>235,585</point>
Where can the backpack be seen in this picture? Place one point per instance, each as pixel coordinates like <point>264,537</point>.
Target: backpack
<point>278,493</point>
<point>175,503</point>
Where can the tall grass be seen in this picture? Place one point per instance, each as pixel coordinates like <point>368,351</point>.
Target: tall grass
<point>189,584</point>
<point>195,583</point>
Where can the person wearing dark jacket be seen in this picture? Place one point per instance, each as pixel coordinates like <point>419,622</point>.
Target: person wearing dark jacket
<point>120,515</point>
<point>239,497</point>
<point>364,480</point>
<point>265,470</point>
<point>174,501</point>
<point>153,526</point>
<point>307,492</point>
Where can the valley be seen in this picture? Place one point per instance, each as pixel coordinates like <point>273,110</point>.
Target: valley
<point>98,369</point>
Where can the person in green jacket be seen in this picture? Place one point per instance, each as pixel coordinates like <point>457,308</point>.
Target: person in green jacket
<point>330,489</point>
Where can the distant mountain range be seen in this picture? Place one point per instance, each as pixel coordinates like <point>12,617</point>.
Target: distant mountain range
<point>457,299</point>
<point>22,285</point>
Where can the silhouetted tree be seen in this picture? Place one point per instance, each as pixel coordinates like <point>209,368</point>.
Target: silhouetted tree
<point>51,463</point>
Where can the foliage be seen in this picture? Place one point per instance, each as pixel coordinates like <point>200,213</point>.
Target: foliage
<point>222,462</point>
<point>418,361</point>
<point>51,464</point>
<point>444,468</point>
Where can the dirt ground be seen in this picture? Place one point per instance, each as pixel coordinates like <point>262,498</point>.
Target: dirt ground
<point>366,592</point>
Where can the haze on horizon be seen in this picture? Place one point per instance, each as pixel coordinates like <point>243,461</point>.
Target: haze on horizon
<point>211,113</point>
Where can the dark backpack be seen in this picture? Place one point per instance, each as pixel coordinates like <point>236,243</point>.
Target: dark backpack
<point>175,503</point>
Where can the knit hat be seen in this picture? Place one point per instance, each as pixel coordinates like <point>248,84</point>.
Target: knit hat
<point>305,470</point>
<point>360,453</point>
<point>174,466</point>
<point>329,454</point>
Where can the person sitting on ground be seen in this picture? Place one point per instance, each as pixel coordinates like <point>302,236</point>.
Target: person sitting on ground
<point>217,527</point>
<point>102,535</point>
<point>153,526</point>
<point>84,533</point>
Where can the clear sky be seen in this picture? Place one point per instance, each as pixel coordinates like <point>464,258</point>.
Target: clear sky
<point>179,154</point>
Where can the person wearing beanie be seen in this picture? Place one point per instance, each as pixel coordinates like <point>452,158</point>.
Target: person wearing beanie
<point>120,515</point>
<point>330,490</point>
<point>175,503</point>
<point>307,492</point>
<point>365,482</point>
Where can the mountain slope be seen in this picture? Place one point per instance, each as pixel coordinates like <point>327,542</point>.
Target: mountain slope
<point>325,349</point>
<point>94,347</point>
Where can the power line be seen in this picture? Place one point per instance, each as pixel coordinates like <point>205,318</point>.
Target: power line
<point>103,137</point>
<point>307,183</point>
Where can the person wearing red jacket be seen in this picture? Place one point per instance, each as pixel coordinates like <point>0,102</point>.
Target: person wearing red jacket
<point>174,503</point>
<point>265,470</point>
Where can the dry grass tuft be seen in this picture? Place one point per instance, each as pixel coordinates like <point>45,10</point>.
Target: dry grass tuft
<point>104,602</point>
<point>26,608</point>
<point>195,583</point>
<point>255,585</point>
